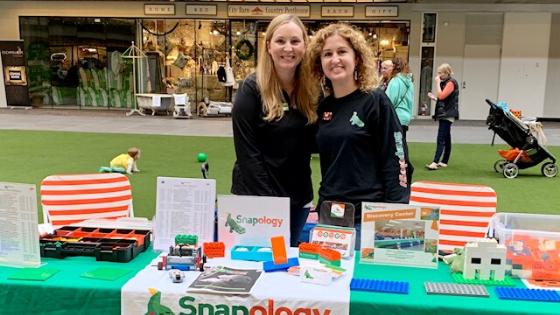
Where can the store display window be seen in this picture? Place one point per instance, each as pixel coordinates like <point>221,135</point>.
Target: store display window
<point>75,62</point>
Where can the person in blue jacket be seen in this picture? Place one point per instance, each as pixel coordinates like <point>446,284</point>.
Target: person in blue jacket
<point>400,91</point>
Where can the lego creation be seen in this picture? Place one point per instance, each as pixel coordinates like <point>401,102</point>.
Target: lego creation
<point>527,294</point>
<point>184,256</point>
<point>105,244</point>
<point>442,288</point>
<point>485,258</point>
<point>371,285</point>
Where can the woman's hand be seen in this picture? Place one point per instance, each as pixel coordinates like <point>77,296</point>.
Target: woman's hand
<point>432,96</point>
<point>437,79</point>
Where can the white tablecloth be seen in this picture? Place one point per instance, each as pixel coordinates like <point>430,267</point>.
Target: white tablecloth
<point>276,293</point>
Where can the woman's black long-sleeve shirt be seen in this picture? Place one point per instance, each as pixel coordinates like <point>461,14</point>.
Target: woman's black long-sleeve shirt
<point>363,155</point>
<point>273,158</point>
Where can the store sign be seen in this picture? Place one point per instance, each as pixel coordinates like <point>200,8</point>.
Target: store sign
<point>382,11</point>
<point>202,9</point>
<point>159,9</point>
<point>330,11</point>
<point>13,74</point>
<point>268,10</point>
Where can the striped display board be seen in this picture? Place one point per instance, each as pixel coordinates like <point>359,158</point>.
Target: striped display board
<point>68,199</point>
<point>466,210</point>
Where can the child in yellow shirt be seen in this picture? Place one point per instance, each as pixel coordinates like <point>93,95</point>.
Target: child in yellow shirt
<point>125,162</point>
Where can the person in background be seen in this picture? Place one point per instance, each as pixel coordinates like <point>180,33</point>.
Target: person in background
<point>124,163</point>
<point>386,70</point>
<point>400,91</point>
<point>363,155</point>
<point>447,110</point>
<point>274,123</point>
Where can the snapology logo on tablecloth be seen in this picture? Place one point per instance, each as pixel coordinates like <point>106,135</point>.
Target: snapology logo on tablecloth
<point>193,307</point>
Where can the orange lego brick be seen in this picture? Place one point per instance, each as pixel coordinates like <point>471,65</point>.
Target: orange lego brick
<point>330,254</point>
<point>309,248</point>
<point>214,249</point>
<point>279,255</point>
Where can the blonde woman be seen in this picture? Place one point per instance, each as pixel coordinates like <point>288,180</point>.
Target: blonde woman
<point>274,123</point>
<point>363,154</point>
<point>447,110</point>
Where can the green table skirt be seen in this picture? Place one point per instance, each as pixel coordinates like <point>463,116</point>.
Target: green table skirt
<point>66,292</point>
<point>417,302</point>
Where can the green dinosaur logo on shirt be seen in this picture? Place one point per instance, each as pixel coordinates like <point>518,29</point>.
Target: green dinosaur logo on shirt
<point>355,120</point>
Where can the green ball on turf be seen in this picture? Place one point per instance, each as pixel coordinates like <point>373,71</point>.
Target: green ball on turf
<point>201,157</point>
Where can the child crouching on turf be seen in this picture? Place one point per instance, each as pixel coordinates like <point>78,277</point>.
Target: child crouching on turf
<point>125,162</point>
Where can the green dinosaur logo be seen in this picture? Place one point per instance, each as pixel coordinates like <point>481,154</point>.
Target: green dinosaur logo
<point>233,226</point>
<point>355,120</point>
<point>154,305</point>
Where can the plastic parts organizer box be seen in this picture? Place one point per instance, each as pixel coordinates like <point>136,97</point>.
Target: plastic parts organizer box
<point>105,244</point>
<point>532,241</point>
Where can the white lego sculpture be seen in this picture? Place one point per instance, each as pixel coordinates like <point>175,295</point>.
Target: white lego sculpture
<point>485,257</point>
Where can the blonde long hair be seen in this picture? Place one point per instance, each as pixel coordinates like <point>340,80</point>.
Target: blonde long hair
<point>367,78</point>
<point>302,97</point>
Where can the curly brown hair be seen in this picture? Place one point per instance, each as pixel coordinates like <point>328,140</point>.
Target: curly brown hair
<point>400,66</point>
<point>365,61</point>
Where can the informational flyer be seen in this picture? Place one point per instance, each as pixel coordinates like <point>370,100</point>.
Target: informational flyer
<point>400,234</point>
<point>252,220</point>
<point>19,241</point>
<point>184,206</point>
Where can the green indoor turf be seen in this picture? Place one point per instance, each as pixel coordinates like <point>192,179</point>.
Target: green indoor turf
<point>30,156</point>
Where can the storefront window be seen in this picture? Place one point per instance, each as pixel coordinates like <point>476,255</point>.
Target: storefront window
<point>76,61</point>
<point>426,79</point>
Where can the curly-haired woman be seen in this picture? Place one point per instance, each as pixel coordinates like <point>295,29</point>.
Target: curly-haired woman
<point>363,154</point>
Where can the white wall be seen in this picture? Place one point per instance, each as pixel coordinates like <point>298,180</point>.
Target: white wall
<point>552,95</point>
<point>524,63</point>
<point>450,44</point>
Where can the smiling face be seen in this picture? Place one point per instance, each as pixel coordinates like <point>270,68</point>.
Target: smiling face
<point>338,61</point>
<point>286,47</point>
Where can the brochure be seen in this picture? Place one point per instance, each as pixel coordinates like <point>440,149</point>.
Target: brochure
<point>400,234</point>
<point>225,280</point>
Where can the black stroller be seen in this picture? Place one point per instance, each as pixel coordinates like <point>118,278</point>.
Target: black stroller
<point>518,135</point>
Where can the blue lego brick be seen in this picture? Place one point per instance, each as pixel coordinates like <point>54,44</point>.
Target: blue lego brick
<point>271,266</point>
<point>379,286</point>
<point>527,294</point>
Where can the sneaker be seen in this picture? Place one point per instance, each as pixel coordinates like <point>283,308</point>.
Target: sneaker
<point>432,167</point>
<point>442,164</point>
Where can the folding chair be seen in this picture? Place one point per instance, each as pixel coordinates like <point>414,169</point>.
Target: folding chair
<point>465,210</point>
<point>68,199</point>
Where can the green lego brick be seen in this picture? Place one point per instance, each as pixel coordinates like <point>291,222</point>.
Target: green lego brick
<point>507,282</point>
<point>308,256</point>
<point>329,262</point>
<point>186,239</point>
